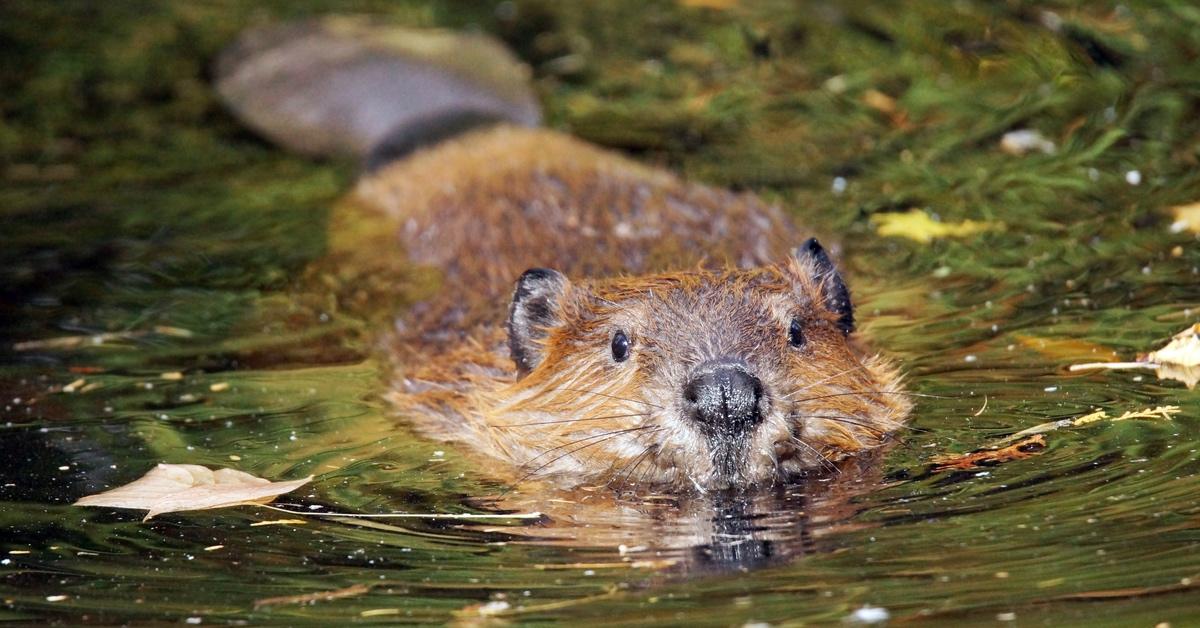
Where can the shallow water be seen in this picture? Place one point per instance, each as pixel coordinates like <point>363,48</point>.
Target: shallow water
<point>133,206</point>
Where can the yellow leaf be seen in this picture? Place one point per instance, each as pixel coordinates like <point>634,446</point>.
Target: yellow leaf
<point>1159,412</point>
<point>915,224</point>
<point>178,487</point>
<point>1098,415</point>
<point>1187,218</point>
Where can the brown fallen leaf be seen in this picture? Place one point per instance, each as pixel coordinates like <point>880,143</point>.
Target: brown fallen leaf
<point>353,590</point>
<point>1025,448</point>
<point>179,487</point>
<point>1179,359</point>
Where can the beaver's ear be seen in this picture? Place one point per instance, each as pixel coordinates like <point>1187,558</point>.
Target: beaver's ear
<point>815,269</point>
<point>536,308</point>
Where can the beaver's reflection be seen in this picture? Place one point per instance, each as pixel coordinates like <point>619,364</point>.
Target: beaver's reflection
<point>744,538</point>
<point>710,533</point>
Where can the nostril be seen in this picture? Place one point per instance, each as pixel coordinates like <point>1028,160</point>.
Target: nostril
<point>724,396</point>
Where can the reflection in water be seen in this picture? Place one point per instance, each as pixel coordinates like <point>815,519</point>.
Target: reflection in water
<point>717,532</point>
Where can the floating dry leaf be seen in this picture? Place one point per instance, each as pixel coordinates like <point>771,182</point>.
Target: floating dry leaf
<point>917,225</point>
<point>1178,360</point>
<point>1187,218</point>
<point>1183,350</point>
<point>178,487</point>
<point>990,457</point>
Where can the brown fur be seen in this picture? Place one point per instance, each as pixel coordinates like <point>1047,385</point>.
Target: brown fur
<point>690,273</point>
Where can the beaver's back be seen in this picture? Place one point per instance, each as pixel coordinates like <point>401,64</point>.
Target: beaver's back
<point>486,206</point>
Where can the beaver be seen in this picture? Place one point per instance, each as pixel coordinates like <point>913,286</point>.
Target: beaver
<point>601,321</point>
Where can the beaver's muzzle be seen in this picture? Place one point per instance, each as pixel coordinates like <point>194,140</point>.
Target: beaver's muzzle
<point>724,398</point>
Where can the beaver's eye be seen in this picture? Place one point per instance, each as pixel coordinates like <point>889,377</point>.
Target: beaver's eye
<point>620,346</point>
<point>796,333</point>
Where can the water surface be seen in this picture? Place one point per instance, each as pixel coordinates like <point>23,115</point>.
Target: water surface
<point>133,206</point>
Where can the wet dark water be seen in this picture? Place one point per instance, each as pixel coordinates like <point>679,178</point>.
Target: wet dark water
<point>132,206</point>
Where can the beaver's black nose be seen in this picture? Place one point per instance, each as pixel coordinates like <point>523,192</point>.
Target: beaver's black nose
<point>724,397</point>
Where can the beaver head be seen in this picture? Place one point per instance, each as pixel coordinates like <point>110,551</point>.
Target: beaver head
<point>706,378</point>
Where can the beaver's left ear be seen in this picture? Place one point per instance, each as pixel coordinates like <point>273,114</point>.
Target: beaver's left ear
<point>814,269</point>
<point>536,310</point>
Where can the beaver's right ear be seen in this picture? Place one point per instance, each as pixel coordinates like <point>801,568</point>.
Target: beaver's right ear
<point>536,308</point>
<point>814,268</point>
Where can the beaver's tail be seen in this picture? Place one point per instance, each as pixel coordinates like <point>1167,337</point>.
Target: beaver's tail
<point>347,86</point>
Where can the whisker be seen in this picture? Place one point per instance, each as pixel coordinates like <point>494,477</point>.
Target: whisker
<point>834,376</point>
<point>626,467</point>
<point>851,421</point>
<point>820,456</point>
<point>864,393</point>
<point>595,418</point>
<point>643,475</point>
<point>603,438</point>
<point>585,438</point>
<point>875,431</point>
<point>588,460</point>
<point>600,394</point>
<point>631,467</point>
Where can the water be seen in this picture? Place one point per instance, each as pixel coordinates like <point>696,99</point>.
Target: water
<point>133,206</point>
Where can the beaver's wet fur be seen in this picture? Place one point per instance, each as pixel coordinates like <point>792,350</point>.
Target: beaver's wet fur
<point>661,334</point>
<point>582,374</point>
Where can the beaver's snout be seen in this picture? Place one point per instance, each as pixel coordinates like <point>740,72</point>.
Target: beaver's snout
<point>724,398</point>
